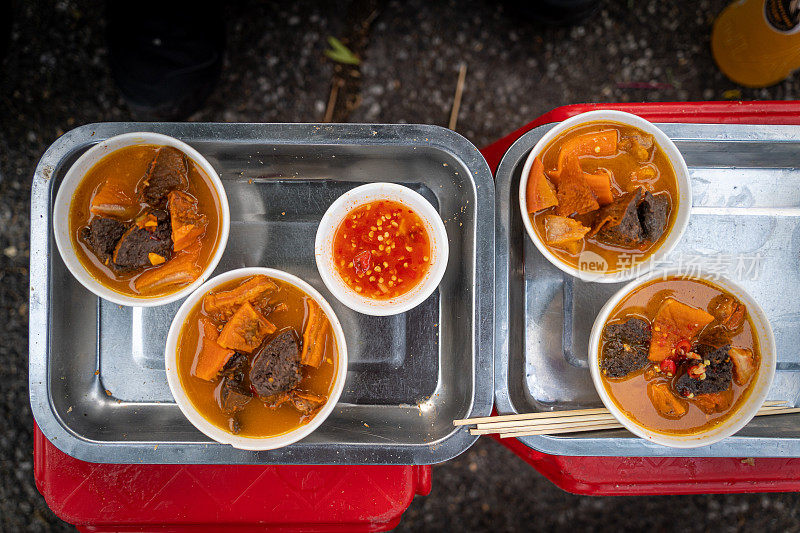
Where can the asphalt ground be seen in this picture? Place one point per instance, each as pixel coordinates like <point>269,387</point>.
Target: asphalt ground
<point>55,76</point>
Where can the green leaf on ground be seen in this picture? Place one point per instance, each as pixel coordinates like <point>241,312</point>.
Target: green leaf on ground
<point>340,53</point>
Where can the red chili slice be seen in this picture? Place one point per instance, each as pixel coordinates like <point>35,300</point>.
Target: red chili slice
<point>668,366</point>
<point>362,262</point>
<point>683,347</point>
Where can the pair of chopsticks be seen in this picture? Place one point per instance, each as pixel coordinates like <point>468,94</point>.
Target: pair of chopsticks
<point>574,421</point>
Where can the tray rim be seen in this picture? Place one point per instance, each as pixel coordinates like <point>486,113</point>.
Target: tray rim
<point>627,446</point>
<point>451,445</point>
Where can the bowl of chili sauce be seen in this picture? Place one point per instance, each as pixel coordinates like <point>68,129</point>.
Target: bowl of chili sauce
<point>381,249</point>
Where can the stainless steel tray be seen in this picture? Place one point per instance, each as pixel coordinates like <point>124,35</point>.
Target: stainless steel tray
<point>745,222</point>
<point>97,383</point>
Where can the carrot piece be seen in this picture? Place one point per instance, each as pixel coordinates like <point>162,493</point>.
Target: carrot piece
<point>179,270</point>
<point>665,402</point>
<point>539,194</point>
<point>226,302</point>
<point>574,195</point>
<point>211,357</point>
<point>156,259</point>
<point>246,330</point>
<point>600,184</point>
<point>674,322</point>
<point>562,230</point>
<point>187,223</point>
<point>597,143</point>
<point>314,336</point>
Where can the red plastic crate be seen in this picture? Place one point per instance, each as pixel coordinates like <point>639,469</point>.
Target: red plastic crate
<point>137,497</point>
<point>662,475</point>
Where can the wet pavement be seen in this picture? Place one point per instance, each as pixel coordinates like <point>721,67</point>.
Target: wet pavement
<point>55,77</point>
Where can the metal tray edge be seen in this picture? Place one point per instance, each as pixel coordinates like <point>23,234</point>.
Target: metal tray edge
<point>628,446</point>
<point>449,446</point>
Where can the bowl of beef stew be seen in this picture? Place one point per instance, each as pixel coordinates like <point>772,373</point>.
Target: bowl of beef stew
<point>141,219</point>
<point>605,196</point>
<point>682,359</point>
<point>256,358</point>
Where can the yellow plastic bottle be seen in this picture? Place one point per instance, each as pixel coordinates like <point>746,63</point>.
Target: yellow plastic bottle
<point>756,43</point>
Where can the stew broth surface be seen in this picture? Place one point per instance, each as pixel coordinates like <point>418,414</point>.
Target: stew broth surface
<point>257,418</point>
<point>126,167</point>
<point>623,167</point>
<point>629,393</point>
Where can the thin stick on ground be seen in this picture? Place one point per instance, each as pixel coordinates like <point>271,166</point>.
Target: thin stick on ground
<point>462,76</point>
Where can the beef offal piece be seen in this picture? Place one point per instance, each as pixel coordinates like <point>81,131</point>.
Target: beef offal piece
<point>276,368</point>
<point>102,235</point>
<point>626,348</point>
<point>618,223</point>
<point>719,372</point>
<point>653,211</point>
<point>232,395</point>
<point>134,249</point>
<point>169,171</point>
<point>307,403</point>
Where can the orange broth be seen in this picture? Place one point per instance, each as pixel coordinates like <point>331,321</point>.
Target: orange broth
<point>125,167</point>
<point>382,249</point>
<point>627,174</point>
<point>630,392</point>
<point>257,418</point>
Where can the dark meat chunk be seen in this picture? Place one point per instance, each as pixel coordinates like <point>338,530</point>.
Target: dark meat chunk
<point>626,348</point>
<point>276,368</point>
<point>102,235</point>
<point>169,171</point>
<point>134,248</point>
<point>719,371</point>
<point>653,211</point>
<point>618,222</point>
<point>307,403</point>
<point>232,396</point>
<point>236,367</point>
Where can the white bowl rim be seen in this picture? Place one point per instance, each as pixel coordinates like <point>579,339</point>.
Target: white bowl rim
<point>63,202</point>
<point>745,413</point>
<point>199,421</point>
<point>681,175</point>
<point>358,196</point>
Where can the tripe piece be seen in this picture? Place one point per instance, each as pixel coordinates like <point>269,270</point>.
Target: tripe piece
<point>675,321</point>
<point>187,223</point>
<point>246,330</point>
<point>314,335</point>
<point>211,357</point>
<point>539,193</point>
<point>226,302</point>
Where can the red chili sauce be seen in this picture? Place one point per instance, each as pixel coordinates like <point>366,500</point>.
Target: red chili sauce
<point>382,249</point>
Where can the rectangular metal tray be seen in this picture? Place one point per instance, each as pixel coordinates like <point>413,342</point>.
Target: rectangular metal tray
<point>97,383</point>
<point>745,222</point>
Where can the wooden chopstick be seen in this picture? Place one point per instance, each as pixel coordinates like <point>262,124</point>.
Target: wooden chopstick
<point>530,416</point>
<point>594,427</point>
<point>556,414</point>
<point>572,421</point>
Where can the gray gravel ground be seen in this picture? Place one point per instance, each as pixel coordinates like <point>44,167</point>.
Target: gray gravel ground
<point>56,77</point>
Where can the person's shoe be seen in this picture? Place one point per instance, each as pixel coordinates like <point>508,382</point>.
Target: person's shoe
<point>165,56</point>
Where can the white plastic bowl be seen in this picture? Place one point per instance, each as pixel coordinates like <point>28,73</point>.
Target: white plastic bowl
<point>684,204</point>
<point>217,433</point>
<point>63,201</point>
<point>745,412</point>
<point>323,248</point>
